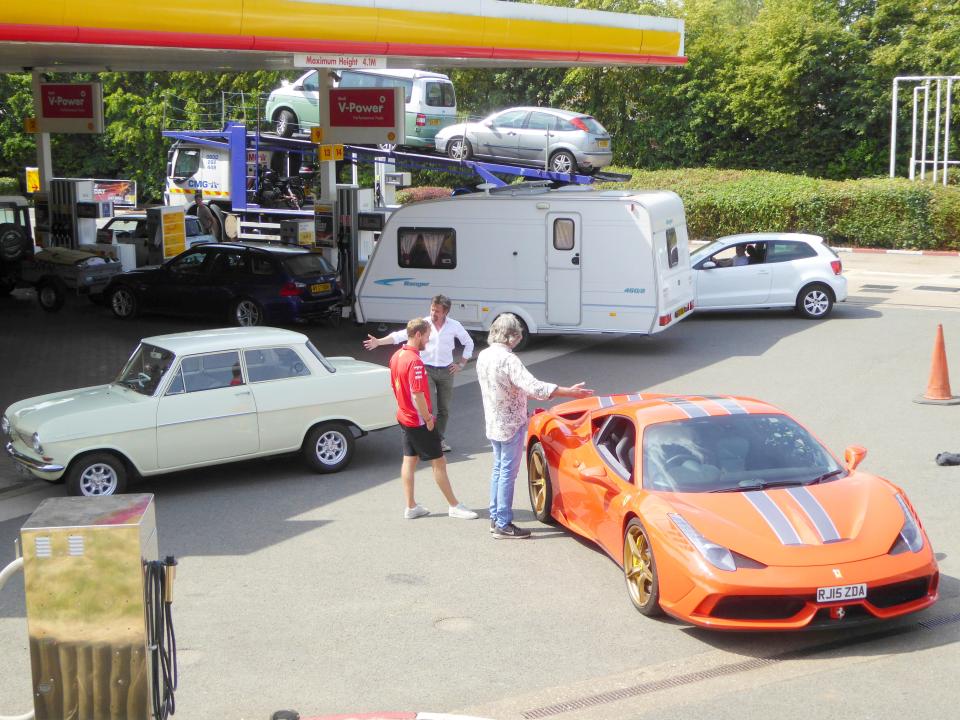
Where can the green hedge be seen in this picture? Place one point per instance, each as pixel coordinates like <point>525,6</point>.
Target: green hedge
<point>874,212</point>
<point>9,186</point>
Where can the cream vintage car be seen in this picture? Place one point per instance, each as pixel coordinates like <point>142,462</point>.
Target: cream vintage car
<point>202,398</point>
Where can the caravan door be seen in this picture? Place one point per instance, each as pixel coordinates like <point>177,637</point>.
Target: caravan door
<point>563,268</point>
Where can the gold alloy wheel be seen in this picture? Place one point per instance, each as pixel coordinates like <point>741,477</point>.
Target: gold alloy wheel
<point>638,566</point>
<point>538,484</point>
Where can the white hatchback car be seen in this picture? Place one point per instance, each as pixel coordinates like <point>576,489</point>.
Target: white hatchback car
<point>769,270</point>
<point>202,398</point>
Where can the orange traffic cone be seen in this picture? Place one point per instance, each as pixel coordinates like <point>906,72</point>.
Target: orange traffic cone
<point>938,388</point>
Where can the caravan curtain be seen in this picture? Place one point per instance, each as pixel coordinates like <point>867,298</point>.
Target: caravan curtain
<point>434,242</point>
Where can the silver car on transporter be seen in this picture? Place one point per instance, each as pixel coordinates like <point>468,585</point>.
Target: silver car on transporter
<point>568,142</point>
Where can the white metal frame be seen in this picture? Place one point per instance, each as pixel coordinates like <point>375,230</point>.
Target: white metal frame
<point>939,162</point>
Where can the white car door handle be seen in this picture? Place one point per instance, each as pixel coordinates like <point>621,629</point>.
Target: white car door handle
<point>242,392</point>
<point>763,272</point>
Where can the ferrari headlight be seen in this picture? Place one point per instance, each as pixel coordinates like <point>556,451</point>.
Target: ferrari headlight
<point>717,555</point>
<point>5,425</point>
<point>37,447</point>
<point>910,532</point>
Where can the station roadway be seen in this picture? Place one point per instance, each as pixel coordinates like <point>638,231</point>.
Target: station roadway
<point>312,592</point>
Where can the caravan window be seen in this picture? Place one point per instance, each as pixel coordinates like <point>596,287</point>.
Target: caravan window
<point>673,254</point>
<point>428,248</point>
<point>563,235</point>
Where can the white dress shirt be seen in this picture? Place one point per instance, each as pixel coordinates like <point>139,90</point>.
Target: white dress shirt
<point>439,349</point>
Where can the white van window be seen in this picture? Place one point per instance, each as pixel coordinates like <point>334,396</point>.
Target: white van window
<point>563,234</point>
<point>311,83</point>
<point>440,94</point>
<point>188,162</point>
<point>673,252</point>
<point>427,248</point>
<point>369,80</point>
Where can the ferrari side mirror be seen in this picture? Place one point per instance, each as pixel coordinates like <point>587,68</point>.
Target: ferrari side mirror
<point>854,455</point>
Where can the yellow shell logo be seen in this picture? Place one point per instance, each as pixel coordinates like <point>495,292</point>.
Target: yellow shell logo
<point>391,136</point>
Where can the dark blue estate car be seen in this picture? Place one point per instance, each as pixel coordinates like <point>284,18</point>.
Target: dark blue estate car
<point>247,283</point>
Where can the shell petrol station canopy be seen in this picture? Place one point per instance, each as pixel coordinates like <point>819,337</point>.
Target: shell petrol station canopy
<point>91,35</point>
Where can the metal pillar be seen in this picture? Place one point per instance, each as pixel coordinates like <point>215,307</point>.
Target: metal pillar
<point>44,159</point>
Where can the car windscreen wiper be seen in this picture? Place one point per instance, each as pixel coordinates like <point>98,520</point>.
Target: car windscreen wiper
<point>759,484</point>
<point>825,476</point>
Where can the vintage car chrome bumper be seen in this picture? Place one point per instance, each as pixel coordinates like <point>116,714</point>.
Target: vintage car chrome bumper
<point>31,464</point>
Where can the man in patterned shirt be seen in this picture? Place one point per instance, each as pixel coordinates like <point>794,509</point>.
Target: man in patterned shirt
<point>418,430</point>
<point>505,385</point>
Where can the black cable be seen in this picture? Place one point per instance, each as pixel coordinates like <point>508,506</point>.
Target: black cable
<point>161,639</point>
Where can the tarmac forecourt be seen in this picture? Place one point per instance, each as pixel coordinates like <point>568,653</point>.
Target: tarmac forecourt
<point>309,592</point>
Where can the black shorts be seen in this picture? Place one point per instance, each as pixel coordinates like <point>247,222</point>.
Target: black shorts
<point>420,441</point>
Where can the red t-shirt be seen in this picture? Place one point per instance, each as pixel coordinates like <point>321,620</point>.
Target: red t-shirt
<point>407,376</point>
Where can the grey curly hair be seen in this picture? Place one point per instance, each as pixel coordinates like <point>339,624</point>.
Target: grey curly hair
<point>506,329</point>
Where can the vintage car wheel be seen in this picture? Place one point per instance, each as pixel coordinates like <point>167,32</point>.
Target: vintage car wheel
<point>286,123</point>
<point>538,482</point>
<point>124,303</point>
<point>247,313</point>
<point>51,295</point>
<point>815,301</point>
<point>563,162</point>
<point>640,570</point>
<point>97,474</point>
<point>328,447</point>
<point>459,148</point>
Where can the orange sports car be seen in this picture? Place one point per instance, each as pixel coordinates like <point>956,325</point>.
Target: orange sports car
<point>726,513</point>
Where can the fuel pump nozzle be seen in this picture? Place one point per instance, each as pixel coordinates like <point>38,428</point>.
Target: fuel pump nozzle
<point>171,573</point>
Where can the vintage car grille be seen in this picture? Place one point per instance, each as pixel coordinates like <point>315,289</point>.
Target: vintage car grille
<point>758,607</point>
<point>898,593</point>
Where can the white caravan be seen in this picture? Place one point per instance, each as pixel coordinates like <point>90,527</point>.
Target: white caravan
<point>564,261</point>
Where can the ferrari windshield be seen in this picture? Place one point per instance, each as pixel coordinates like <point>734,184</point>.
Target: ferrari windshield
<point>730,453</point>
<point>145,369</point>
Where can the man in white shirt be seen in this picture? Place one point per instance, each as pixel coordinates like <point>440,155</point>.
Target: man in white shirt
<point>437,356</point>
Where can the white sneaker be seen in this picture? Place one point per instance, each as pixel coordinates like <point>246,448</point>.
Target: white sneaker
<point>416,511</point>
<point>445,446</point>
<point>464,513</point>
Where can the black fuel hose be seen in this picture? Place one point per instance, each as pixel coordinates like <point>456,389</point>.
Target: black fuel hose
<point>161,639</point>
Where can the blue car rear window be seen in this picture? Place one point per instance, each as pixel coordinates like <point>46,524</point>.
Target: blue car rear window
<point>307,264</point>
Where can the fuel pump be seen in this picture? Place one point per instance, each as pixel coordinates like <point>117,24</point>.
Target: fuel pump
<point>99,617</point>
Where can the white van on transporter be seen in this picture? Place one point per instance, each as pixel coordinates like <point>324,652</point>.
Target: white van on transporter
<point>564,261</point>
<point>430,101</point>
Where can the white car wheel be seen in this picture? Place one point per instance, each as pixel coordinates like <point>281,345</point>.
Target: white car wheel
<point>814,302</point>
<point>97,475</point>
<point>328,447</point>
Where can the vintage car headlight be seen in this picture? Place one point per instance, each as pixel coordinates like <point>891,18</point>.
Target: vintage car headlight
<point>37,447</point>
<point>910,534</point>
<point>717,555</point>
<point>5,425</point>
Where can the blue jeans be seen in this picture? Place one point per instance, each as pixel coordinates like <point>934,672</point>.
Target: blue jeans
<point>507,455</point>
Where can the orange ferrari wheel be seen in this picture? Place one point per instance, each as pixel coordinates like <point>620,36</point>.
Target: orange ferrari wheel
<point>538,480</point>
<point>640,570</point>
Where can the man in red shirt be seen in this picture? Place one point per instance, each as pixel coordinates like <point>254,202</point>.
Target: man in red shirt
<point>421,441</point>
